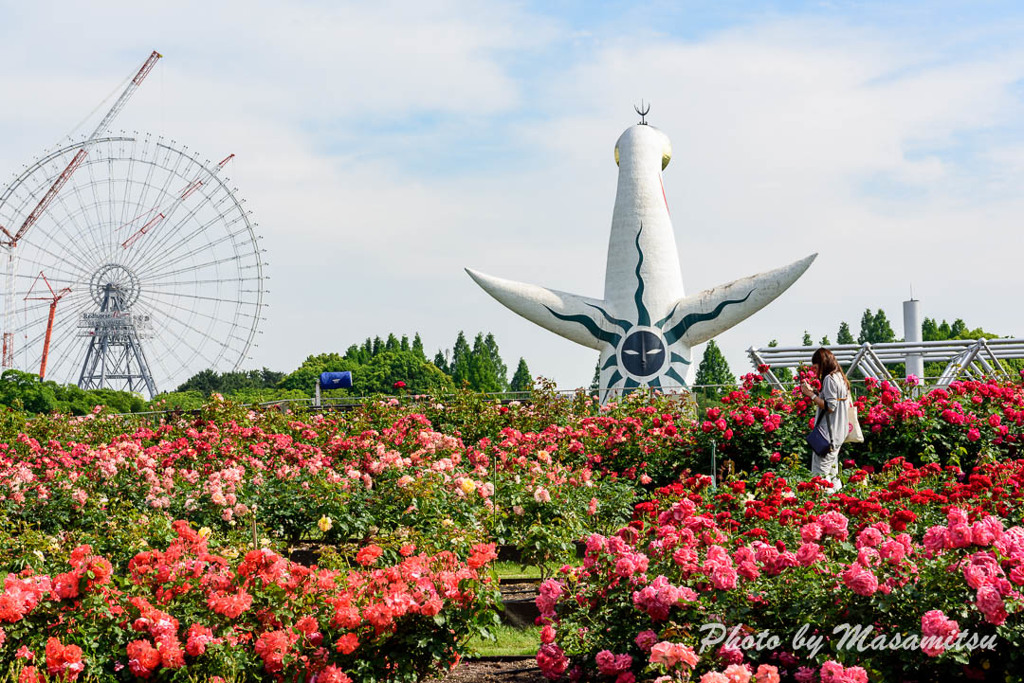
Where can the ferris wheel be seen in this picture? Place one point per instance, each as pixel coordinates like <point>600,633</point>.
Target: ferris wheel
<point>136,265</point>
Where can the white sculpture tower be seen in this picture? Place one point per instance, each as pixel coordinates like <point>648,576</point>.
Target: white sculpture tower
<point>645,327</point>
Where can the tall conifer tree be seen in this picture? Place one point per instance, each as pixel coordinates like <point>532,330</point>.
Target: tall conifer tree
<point>462,361</point>
<point>844,336</point>
<point>714,369</point>
<point>522,380</point>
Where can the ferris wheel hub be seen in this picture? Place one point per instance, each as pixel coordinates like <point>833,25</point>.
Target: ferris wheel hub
<point>114,277</point>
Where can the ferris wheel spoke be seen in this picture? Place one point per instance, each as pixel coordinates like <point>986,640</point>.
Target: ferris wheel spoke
<point>175,174</point>
<point>54,260</point>
<point>214,320</point>
<point>240,315</point>
<point>72,242</point>
<point>62,200</point>
<point>203,227</point>
<point>212,281</point>
<point>97,203</point>
<point>171,350</point>
<point>196,172</point>
<point>155,252</point>
<point>199,250</point>
<point>58,278</point>
<point>188,324</point>
<point>195,267</point>
<point>69,241</point>
<point>200,297</point>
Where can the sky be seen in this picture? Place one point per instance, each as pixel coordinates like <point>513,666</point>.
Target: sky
<point>383,147</point>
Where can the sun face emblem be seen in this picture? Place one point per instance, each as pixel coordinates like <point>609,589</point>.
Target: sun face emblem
<point>642,353</point>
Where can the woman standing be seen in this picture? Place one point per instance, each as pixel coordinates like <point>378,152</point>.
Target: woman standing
<point>831,420</point>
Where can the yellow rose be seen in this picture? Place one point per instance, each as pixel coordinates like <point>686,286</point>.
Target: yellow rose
<point>468,486</point>
<point>205,532</point>
<point>325,524</point>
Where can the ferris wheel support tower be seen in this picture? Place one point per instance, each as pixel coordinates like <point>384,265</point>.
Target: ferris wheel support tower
<point>11,243</point>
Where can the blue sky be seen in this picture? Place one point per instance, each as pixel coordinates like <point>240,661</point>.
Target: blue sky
<point>383,147</point>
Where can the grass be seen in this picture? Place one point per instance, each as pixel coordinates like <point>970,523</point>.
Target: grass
<point>514,570</point>
<point>510,642</point>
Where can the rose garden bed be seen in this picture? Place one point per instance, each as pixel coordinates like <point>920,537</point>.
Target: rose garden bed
<point>157,549</point>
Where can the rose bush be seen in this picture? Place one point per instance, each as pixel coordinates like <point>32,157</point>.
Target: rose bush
<point>909,552</point>
<point>259,616</point>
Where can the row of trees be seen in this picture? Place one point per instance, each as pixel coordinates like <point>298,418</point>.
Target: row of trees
<point>390,365</point>
<point>23,391</point>
<point>394,364</point>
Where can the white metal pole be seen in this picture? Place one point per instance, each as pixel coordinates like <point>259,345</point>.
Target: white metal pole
<point>912,333</point>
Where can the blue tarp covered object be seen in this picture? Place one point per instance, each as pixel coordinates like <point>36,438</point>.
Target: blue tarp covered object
<point>335,380</point>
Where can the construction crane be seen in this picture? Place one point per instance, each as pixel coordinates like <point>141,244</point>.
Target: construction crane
<point>76,161</point>
<point>11,241</point>
<point>167,211</point>
<point>53,299</point>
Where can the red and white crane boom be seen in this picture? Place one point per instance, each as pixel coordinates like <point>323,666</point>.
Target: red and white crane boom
<point>165,212</point>
<point>76,161</point>
<point>53,299</point>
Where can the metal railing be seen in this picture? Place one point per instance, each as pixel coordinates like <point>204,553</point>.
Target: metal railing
<point>971,358</point>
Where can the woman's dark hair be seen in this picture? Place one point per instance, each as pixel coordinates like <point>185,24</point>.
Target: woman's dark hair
<point>827,364</point>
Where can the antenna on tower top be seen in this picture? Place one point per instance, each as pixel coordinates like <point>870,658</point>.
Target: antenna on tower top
<point>643,110</point>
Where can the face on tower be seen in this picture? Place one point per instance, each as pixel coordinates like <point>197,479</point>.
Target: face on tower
<point>642,353</point>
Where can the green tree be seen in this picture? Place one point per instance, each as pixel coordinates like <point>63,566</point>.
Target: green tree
<point>844,336</point>
<point>807,339</point>
<point>595,383</point>
<point>522,380</point>
<point>392,343</point>
<point>485,373</point>
<point>714,369</point>
<point>204,381</point>
<point>460,368</point>
<point>271,377</point>
<point>825,341</point>
<point>385,369</point>
<point>875,328</point>
<point>178,400</point>
<point>494,355</point>
<point>441,363</point>
<point>417,346</point>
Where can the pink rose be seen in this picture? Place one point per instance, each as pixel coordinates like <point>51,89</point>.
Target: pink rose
<point>937,629</point>
<point>714,677</point>
<point>860,580</point>
<point>935,539</point>
<point>737,673</point>
<point>834,524</point>
<point>808,554</point>
<point>990,602</point>
<point>810,532</point>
